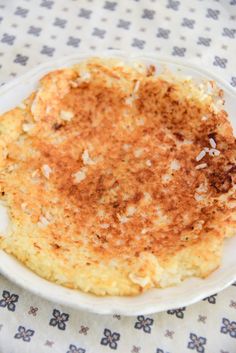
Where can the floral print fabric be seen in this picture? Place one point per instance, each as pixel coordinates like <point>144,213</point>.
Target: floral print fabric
<point>204,327</point>
<point>32,32</point>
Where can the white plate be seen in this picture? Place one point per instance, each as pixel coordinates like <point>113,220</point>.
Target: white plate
<point>155,300</point>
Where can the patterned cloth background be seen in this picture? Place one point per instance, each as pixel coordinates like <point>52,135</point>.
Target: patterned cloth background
<point>31,32</point>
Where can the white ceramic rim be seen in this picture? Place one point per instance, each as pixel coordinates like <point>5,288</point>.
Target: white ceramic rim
<point>154,300</point>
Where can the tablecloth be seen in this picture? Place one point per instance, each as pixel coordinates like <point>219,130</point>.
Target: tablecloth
<point>33,31</point>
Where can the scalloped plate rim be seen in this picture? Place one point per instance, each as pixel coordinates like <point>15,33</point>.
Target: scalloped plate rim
<point>21,275</point>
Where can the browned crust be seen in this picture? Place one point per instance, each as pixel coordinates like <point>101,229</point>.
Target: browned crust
<point>132,158</point>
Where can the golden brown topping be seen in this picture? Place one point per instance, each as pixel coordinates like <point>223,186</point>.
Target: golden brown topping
<point>120,162</point>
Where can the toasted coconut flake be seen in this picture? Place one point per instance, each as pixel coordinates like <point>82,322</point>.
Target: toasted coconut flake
<point>101,213</point>
<point>141,281</point>
<point>175,165</point>
<point>129,100</point>
<point>166,178</point>
<point>66,115</point>
<point>35,173</point>
<point>48,109</point>
<point>214,152</point>
<point>136,86</point>
<point>198,197</point>
<point>74,84</point>
<point>200,155</point>
<point>34,105</point>
<point>131,210</point>
<point>122,218</point>
<point>43,222</point>
<point>147,197</point>
<point>23,206</point>
<point>25,209</point>
<point>140,67</point>
<point>218,105</point>
<point>198,225</point>
<point>126,147</point>
<point>202,188</point>
<point>12,167</point>
<point>144,231</point>
<point>26,127</point>
<point>85,76</point>
<point>138,152</point>
<point>105,225</point>
<point>140,122</point>
<point>201,166</point>
<point>86,158</point>
<point>79,176</point>
<point>187,142</point>
<point>46,170</point>
<point>212,142</point>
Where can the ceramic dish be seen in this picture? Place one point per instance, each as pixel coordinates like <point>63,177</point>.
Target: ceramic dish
<point>155,300</point>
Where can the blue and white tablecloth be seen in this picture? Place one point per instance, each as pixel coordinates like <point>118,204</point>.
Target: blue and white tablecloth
<point>31,32</point>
